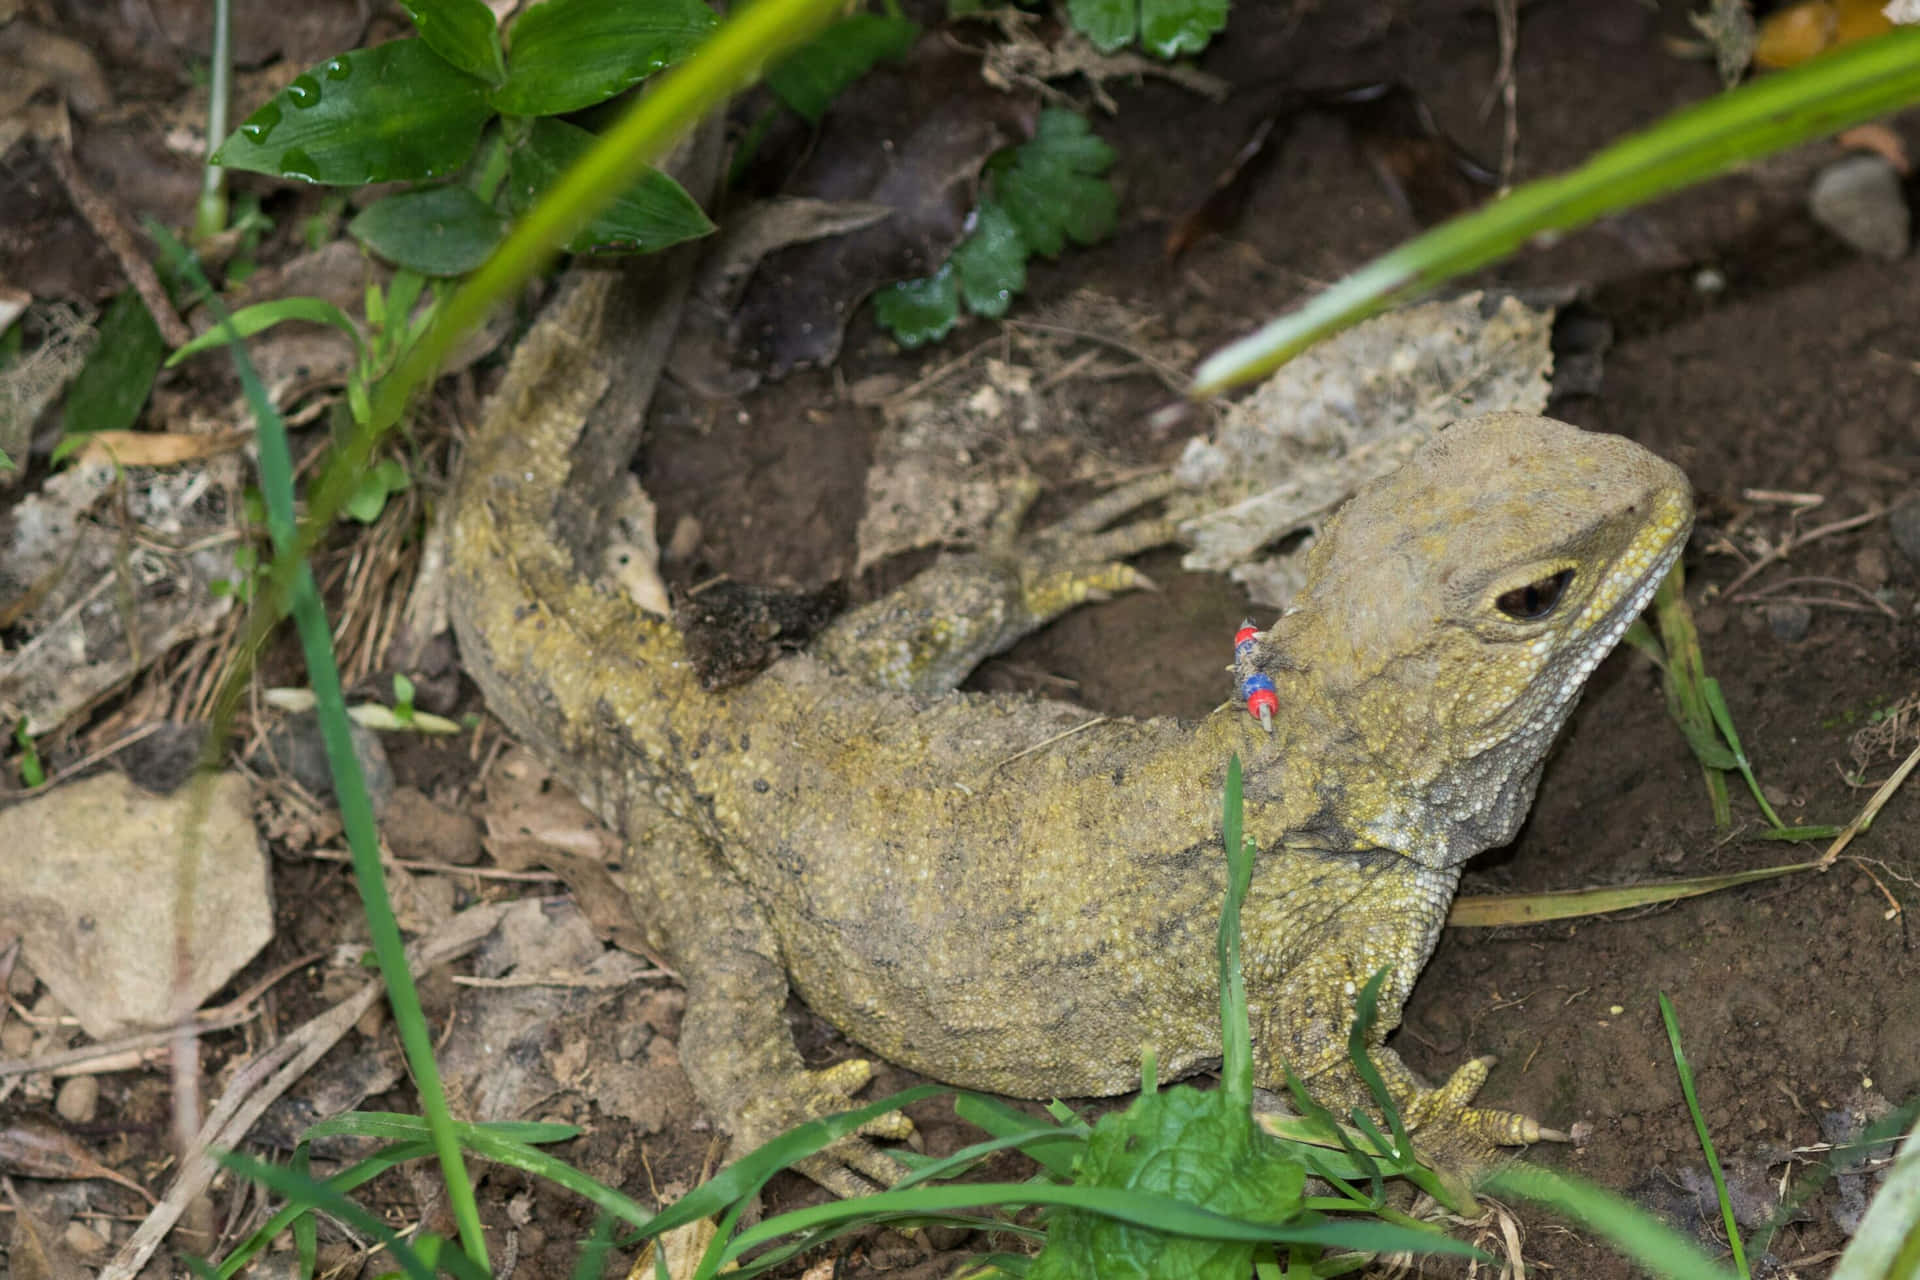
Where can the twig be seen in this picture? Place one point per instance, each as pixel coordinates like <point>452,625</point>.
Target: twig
<point>105,220</point>
<point>1793,542</point>
<point>258,1085</point>
<point>230,1014</point>
<point>1044,743</point>
<point>1873,806</point>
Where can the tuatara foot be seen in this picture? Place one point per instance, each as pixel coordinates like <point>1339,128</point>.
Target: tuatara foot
<point>850,1167</point>
<point>1464,1142</point>
<point>930,633</point>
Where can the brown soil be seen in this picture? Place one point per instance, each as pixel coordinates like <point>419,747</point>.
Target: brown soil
<point>1798,997</point>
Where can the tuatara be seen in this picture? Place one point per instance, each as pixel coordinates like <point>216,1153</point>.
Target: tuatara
<point>1008,893</point>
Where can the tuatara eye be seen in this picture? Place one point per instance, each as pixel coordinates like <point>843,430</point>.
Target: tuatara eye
<point>1535,600</point>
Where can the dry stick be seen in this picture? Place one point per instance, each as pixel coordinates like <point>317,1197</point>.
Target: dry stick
<point>230,1014</point>
<point>1872,807</point>
<point>257,1086</point>
<point>1793,542</point>
<point>105,220</point>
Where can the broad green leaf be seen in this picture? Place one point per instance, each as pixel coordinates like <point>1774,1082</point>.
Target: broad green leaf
<point>569,54</point>
<point>264,315</point>
<point>442,231</point>
<point>1821,97</point>
<point>1051,188</point>
<point>111,388</point>
<point>395,111</point>
<point>1110,24</point>
<point>814,75</point>
<point>370,499</point>
<point>919,311</point>
<point>463,32</point>
<point>1170,28</point>
<point>991,263</point>
<point>651,214</point>
<point>1200,1148</point>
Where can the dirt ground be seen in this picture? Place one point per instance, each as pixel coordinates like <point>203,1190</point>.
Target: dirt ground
<point>1798,371</point>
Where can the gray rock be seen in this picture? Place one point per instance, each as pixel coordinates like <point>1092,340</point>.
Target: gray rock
<point>1860,199</point>
<point>1904,522</point>
<point>294,747</point>
<point>1789,622</point>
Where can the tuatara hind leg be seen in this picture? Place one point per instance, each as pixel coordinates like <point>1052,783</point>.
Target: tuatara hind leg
<point>735,1044</point>
<point>930,633</point>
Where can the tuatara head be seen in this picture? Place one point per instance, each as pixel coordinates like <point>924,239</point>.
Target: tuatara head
<point>1454,608</point>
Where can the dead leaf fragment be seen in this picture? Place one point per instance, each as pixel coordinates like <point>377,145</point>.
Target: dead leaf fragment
<point>156,448</point>
<point>33,1148</point>
<point>1345,412</point>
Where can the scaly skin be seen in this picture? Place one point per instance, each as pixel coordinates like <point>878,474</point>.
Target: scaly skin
<point>998,893</point>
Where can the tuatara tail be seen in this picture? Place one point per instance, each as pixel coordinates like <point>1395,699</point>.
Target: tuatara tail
<point>550,650</point>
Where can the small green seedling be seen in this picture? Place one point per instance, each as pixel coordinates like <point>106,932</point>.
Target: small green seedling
<point>1037,196</point>
<point>33,770</point>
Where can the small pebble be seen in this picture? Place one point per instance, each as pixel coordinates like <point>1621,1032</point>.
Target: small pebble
<point>1859,198</point>
<point>78,1101</point>
<point>1872,567</point>
<point>84,1240</point>
<point>1904,520</point>
<point>1789,622</point>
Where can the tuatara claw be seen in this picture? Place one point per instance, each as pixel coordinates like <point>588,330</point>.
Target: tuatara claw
<point>851,1166</point>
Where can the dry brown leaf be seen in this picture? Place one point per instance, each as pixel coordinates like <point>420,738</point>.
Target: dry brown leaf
<point>156,448</point>
<point>33,1148</point>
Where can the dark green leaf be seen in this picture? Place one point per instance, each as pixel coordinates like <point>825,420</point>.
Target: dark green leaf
<point>992,262</point>
<point>569,54</point>
<point>1052,189</point>
<point>463,32</point>
<point>1173,27</point>
<point>395,111</point>
<point>443,231</point>
<point>1110,24</point>
<point>919,311</point>
<point>111,388</point>
<point>651,214</point>
<point>814,75</point>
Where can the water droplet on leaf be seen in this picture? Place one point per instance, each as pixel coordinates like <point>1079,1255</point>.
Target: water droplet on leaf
<point>304,91</point>
<point>261,123</point>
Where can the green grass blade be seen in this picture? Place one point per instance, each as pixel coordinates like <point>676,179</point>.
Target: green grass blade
<point>312,1195</point>
<point>354,1175</point>
<point>1639,1235</point>
<point>1823,96</point>
<point>350,786</point>
<point>261,316</point>
<point>1700,1127</point>
<point>1150,1211</point>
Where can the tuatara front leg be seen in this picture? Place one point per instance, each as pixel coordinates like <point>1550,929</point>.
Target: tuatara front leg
<point>734,1041</point>
<point>929,634</point>
<point>1349,916</point>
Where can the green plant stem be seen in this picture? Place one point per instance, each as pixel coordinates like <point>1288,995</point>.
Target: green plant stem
<point>1848,86</point>
<point>350,787</point>
<point>210,215</point>
<point>1700,1128</point>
